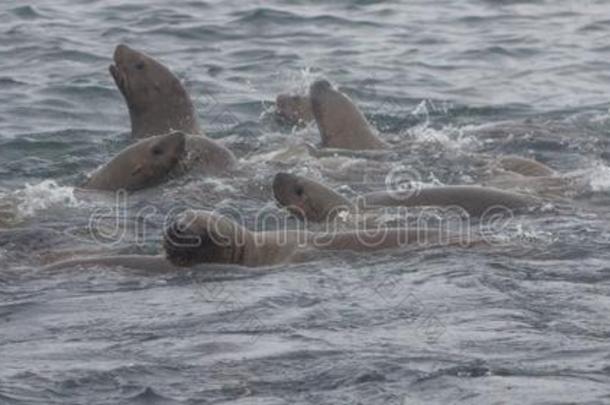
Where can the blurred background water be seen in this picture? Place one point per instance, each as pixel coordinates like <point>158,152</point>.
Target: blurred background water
<point>444,80</point>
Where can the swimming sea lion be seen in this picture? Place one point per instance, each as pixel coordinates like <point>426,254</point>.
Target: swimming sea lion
<point>205,237</point>
<point>151,263</point>
<point>148,263</point>
<point>157,101</point>
<point>294,109</point>
<point>159,104</point>
<point>316,202</point>
<point>144,164</point>
<point>340,122</point>
<point>524,166</point>
<point>474,200</point>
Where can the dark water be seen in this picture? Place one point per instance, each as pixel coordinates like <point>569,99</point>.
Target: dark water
<point>526,322</point>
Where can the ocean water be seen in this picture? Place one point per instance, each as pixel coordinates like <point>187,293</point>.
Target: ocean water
<point>450,83</point>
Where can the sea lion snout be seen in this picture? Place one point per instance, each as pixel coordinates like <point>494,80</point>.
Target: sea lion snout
<point>118,77</point>
<point>120,52</point>
<point>117,69</point>
<point>293,193</point>
<point>124,57</point>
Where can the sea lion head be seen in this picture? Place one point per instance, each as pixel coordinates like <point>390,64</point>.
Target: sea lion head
<point>320,87</point>
<point>308,199</point>
<point>205,237</point>
<point>159,156</point>
<point>144,164</point>
<point>294,109</point>
<point>157,101</point>
<point>340,121</point>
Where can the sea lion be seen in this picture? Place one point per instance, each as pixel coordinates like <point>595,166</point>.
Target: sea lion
<point>518,173</point>
<point>157,101</point>
<point>474,200</point>
<point>206,237</point>
<point>340,122</point>
<point>159,104</point>
<point>316,202</point>
<point>144,164</point>
<point>151,263</point>
<point>553,187</point>
<point>294,109</point>
<point>148,263</point>
<point>524,166</point>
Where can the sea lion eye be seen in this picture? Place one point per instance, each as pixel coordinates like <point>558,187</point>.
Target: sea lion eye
<point>139,65</point>
<point>157,151</point>
<point>299,191</point>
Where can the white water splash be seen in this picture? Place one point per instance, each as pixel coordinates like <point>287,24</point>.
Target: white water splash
<point>449,137</point>
<point>532,237</point>
<point>25,203</point>
<point>599,178</point>
<point>293,82</point>
<point>292,153</point>
<point>42,196</point>
<point>601,118</point>
<point>301,82</point>
<point>219,185</point>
